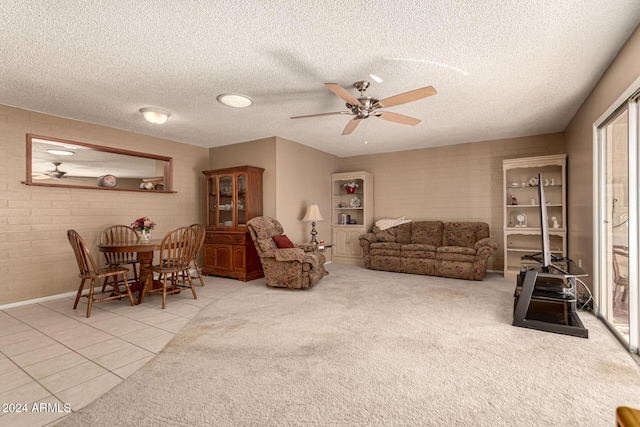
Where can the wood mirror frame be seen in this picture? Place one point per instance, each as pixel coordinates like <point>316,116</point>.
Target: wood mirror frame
<point>95,167</point>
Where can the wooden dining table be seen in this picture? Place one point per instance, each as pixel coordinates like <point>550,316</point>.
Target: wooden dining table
<point>145,250</point>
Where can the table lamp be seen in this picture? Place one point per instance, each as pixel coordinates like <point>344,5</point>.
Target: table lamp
<point>313,215</point>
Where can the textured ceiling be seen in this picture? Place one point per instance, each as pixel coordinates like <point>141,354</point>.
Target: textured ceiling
<point>501,68</point>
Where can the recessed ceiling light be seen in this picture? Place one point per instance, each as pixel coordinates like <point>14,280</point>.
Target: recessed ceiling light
<point>61,152</point>
<point>155,115</point>
<point>235,100</point>
<point>376,78</point>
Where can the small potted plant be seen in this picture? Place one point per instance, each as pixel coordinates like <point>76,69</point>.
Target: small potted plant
<point>351,187</point>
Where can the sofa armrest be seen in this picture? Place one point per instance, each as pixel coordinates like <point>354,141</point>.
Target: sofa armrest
<point>290,254</point>
<point>367,239</point>
<point>271,253</point>
<point>486,243</point>
<point>307,247</point>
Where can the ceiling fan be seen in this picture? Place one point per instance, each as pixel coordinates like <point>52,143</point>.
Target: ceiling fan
<point>366,106</point>
<point>55,173</point>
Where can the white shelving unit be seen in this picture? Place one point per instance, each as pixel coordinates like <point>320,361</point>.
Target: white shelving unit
<point>524,238</point>
<point>346,246</point>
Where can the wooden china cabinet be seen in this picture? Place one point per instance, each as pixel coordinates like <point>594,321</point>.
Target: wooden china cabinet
<point>234,196</point>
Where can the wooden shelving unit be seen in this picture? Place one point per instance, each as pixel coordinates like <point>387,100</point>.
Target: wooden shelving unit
<point>522,240</point>
<point>346,246</point>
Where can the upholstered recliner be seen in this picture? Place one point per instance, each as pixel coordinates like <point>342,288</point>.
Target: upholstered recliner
<point>298,267</point>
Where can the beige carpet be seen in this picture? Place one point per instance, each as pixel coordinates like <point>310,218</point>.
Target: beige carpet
<point>367,348</point>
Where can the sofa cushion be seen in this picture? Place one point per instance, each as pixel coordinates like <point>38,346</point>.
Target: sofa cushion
<point>418,251</point>
<point>267,244</point>
<point>455,253</point>
<point>456,250</point>
<point>464,234</point>
<point>427,232</point>
<point>266,227</point>
<point>387,235</point>
<point>283,241</point>
<point>385,249</point>
<point>403,233</point>
<point>398,234</point>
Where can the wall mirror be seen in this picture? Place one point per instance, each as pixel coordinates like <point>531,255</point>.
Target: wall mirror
<point>56,162</point>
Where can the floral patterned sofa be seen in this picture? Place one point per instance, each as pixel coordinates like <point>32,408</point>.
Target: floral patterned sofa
<point>448,249</point>
<point>297,267</point>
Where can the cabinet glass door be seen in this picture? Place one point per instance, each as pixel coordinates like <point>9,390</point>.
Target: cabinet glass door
<point>213,201</point>
<point>242,200</point>
<point>225,207</point>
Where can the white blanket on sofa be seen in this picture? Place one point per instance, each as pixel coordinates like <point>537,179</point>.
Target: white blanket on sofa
<point>383,224</point>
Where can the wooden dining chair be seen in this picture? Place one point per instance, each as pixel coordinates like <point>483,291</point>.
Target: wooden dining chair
<point>200,233</point>
<point>120,234</point>
<point>176,252</point>
<point>620,278</point>
<point>90,271</point>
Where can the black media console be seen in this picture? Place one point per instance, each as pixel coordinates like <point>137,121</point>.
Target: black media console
<point>545,299</point>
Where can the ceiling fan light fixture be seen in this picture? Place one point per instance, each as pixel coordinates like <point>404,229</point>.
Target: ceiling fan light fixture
<point>61,152</point>
<point>234,100</point>
<point>155,115</point>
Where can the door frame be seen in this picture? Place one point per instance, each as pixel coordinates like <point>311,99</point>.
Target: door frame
<point>629,99</point>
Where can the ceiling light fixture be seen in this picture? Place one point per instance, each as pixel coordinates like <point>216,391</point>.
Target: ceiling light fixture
<point>61,152</point>
<point>235,100</point>
<point>376,78</point>
<point>155,115</point>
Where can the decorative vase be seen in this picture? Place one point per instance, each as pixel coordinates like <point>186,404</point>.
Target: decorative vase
<point>351,190</point>
<point>146,236</point>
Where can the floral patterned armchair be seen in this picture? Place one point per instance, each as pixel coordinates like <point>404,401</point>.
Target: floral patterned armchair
<point>298,267</point>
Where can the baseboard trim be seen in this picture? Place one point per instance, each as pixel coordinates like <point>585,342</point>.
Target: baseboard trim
<point>38,300</point>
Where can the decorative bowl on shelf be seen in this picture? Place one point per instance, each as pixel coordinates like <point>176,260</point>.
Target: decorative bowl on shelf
<point>108,181</point>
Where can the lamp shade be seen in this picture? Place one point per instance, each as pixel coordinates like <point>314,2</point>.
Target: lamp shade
<point>313,214</point>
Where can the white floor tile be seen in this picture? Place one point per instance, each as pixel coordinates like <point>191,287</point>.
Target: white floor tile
<point>55,364</point>
<point>40,354</point>
<point>28,345</point>
<point>129,369</point>
<point>84,393</point>
<point>34,417</point>
<point>13,379</point>
<point>71,377</point>
<point>122,357</point>
<point>103,348</point>
<point>50,348</point>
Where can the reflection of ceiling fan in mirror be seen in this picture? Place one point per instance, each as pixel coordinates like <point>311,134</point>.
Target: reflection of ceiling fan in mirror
<point>55,173</point>
<point>366,106</point>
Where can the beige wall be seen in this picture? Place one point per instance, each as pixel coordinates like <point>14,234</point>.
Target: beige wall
<point>304,178</point>
<point>295,176</point>
<point>452,183</point>
<point>623,71</point>
<point>36,259</point>
<point>260,153</point>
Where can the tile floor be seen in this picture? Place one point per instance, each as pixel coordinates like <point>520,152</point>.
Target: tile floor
<point>52,354</point>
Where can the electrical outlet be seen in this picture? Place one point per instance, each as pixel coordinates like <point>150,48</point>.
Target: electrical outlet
<point>580,262</point>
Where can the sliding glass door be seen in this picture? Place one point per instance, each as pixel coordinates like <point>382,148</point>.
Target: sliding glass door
<point>617,221</point>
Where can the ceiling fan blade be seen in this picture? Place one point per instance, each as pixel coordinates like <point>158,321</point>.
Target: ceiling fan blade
<point>342,93</point>
<point>403,98</point>
<point>351,126</point>
<point>39,176</point>
<point>398,118</point>
<point>321,114</point>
